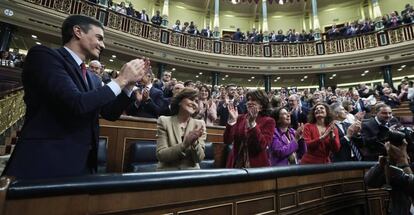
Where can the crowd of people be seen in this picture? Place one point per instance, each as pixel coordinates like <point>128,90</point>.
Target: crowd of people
<point>349,29</point>
<point>11,59</point>
<point>287,126</point>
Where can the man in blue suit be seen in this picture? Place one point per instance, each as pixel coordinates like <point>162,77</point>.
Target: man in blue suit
<point>150,101</point>
<point>63,102</point>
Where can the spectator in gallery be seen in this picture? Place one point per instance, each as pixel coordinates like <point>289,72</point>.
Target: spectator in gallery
<point>156,19</point>
<point>143,16</point>
<point>180,137</point>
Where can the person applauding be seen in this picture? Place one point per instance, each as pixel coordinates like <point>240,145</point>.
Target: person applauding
<point>250,133</point>
<point>180,137</point>
<point>320,135</point>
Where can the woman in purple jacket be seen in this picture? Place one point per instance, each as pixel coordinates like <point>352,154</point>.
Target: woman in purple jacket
<point>288,145</point>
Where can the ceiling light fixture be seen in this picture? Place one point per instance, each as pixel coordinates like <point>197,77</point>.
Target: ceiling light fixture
<point>111,60</point>
<point>227,76</point>
<point>38,43</point>
<point>200,73</point>
<point>113,56</point>
<point>252,77</point>
<point>403,66</point>
<point>305,76</point>
<point>173,69</point>
<point>366,71</point>
<point>196,76</point>
<point>249,80</point>
<point>280,1</point>
<point>34,36</point>
<point>278,78</point>
<point>400,69</point>
<point>363,74</point>
<point>331,78</point>
<point>333,75</point>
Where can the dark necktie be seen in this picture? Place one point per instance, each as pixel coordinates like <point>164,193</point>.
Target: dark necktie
<point>354,149</point>
<point>83,68</point>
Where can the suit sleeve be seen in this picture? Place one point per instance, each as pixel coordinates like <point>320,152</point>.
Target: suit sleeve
<point>166,152</point>
<point>282,151</point>
<point>197,153</point>
<point>155,103</point>
<point>56,82</point>
<point>335,144</point>
<point>261,136</point>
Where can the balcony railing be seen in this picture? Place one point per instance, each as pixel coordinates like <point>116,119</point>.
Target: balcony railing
<point>138,28</point>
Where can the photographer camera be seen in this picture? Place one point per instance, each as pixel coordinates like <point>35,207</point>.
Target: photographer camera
<point>394,170</point>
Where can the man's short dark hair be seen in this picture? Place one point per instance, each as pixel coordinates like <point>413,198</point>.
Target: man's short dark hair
<point>84,22</point>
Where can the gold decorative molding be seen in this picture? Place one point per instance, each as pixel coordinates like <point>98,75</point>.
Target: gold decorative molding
<point>12,108</point>
<point>133,37</point>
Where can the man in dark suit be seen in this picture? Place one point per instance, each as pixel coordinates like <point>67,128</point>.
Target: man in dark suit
<point>358,104</point>
<point>150,101</point>
<point>349,150</point>
<point>373,131</point>
<point>222,107</point>
<point>63,102</point>
<point>237,36</point>
<point>206,32</point>
<point>143,16</point>
<point>298,114</point>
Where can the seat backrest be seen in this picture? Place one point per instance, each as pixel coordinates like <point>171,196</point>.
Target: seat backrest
<point>143,156</point>
<point>102,151</point>
<point>208,162</point>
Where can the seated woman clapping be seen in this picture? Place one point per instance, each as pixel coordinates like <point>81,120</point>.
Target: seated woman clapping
<point>288,145</point>
<point>180,137</point>
<point>320,135</point>
<point>250,133</point>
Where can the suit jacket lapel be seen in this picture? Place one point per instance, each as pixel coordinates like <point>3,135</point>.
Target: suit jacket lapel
<point>176,126</point>
<point>76,69</point>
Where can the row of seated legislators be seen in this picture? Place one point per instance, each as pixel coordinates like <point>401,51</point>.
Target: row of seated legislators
<point>267,129</point>
<point>11,59</point>
<point>357,27</point>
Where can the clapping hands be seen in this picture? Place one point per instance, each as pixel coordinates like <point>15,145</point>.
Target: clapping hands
<point>191,138</point>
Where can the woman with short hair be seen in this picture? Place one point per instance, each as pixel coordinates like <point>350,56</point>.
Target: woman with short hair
<point>250,133</point>
<point>180,137</point>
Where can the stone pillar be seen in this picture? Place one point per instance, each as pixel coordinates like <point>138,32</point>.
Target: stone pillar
<point>214,79</point>
<point>376,11</point>
<point>5,36</point>
<point>165,13</point>
<point>387,73</point>
<point>265,27</point>
<point>216,31</point>
<point>316,25</point>
<point>161,69</point>
<point>267,83</point>
<point>322,78</point>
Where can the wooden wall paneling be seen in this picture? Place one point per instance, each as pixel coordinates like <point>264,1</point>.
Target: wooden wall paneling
<point>57,205</point>
<point>142,201</point>
<point>226,208</point>
<point>260,205</point>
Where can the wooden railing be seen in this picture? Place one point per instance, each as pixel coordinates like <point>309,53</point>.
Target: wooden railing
<point>148,31</point>
<point>297,190</point>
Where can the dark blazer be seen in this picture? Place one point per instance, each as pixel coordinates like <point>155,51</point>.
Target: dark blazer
<point>363,107</point>
<point>371,133</point>
<point>61,129</point>
<point>345,151</point>
<point>300,116</point>
<point>223,112</point>
<point>151,108</point>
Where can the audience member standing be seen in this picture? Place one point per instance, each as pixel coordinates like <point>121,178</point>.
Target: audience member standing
<point>321,136</point>
<point>250,133</point>
<point>288,146</point>
<point>63,103</point>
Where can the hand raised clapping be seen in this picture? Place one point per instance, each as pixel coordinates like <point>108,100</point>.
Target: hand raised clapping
<point>191,138</point>
<point>233,114</point>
